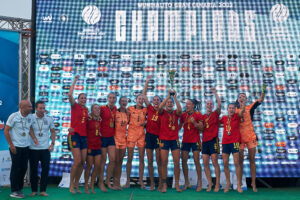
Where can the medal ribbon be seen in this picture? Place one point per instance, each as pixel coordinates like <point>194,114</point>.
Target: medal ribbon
<point>97,128</point>
<point>112,119</point>
<point>187,120</point>
<point>228,126</point>
<point>206,121</point>
<point>155,116</point>
<point>23,134</point>
<point>83,116</point>
<point>171,121</point>
<point>40,127</point>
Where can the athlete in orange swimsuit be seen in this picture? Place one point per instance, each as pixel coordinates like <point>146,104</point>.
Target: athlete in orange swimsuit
<point>136,136</point>
<point>248,136</point>
<point>122,119</point>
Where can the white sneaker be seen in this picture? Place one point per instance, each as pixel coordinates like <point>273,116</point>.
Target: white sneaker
<point>21,194</point>
<point>17,195</point>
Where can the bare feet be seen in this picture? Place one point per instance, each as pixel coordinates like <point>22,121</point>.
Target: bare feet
<point>227,188</point>
<point>142,185</point>
<point>239,189</point>
<point>72,190</point>
<point>254,187</point>
<point>199,188</point>
<point>109,185</point>
<point>77,190</point>
<point>152,187</point>
<point>86,188</point>
<point>102,187</point>
<point>33,194</point>
<point>93,189</point>
<point>178,188</point>
<point>159,188</point>
<point>164,188</point>
<point>119,188</point>
<point>127,185</point>
<point>217,188</point>
<point>186,185</point>
<point>209,187</point>
<point>44,194</point>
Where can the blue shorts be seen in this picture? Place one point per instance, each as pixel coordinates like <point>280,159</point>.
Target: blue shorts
<point>152,141</point>
<point>77,141</point>
<point>94,152</point>
<point>107,141</point>
<point>211,147</point>
<point>231,148</point>
<point>188,146</point>
<point>169,144</point>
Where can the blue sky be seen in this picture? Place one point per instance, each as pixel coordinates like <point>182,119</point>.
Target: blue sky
<point>16,8</point>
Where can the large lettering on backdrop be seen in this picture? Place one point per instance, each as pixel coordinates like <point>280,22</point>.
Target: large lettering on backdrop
<point>234,46</point>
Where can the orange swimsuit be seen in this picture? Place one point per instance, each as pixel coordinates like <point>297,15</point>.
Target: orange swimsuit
<point>121,127</point>
<point>136,132</point>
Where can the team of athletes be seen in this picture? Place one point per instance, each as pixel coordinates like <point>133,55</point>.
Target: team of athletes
<point>110,131</point>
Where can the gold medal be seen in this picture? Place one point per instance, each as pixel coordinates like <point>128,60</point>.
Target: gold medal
<point>228,126</point>
<point>83,117</point>
<point>171,122</point>
<point>189,128</point>
<point>112,119</point>
<point>207,126</point>
<point>206,120</point>
<point>97,128</point>
<point>23,127</point>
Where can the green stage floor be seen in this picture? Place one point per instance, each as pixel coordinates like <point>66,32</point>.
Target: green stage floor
<point>138,194</point>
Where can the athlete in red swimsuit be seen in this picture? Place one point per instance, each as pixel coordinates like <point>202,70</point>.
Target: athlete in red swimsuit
<point>152,135</point>
<point>191,121</point>
<point>231,143</point>
<point>94,148</point>
<point>210,141</point>
<point>108,116</point>
<point>169,138</point>
<point>77,139</point>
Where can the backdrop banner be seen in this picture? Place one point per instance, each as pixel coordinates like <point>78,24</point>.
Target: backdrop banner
<point>234,46</point>
<point>9,76</point>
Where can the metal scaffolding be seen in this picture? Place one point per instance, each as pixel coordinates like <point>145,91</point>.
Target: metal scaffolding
<point>23,27</point>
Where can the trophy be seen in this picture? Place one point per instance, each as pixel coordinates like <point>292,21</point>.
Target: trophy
<point>172,76</point>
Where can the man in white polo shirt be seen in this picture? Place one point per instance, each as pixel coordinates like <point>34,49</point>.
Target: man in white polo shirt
<point>17,133</point>
<point>42,125</point>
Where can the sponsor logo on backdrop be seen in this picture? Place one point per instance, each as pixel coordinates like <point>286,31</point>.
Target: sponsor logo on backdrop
<point>91,14</point>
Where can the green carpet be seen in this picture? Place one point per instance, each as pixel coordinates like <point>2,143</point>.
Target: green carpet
<point>138,194</point>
